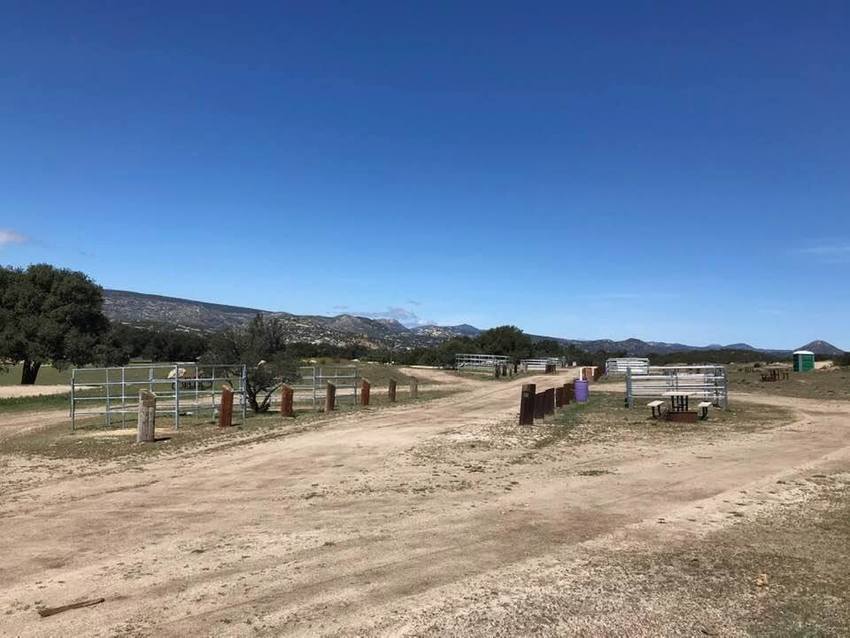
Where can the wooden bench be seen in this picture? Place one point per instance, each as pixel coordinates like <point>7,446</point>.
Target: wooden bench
<point>703,409</point>
<point>657,407</point>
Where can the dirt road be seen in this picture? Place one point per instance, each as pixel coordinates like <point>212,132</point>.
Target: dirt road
<point>408,520</point>
<point>17,391</point>
<point>16,422</point>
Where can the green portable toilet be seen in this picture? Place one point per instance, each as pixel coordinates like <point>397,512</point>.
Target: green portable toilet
<point>804,361</point>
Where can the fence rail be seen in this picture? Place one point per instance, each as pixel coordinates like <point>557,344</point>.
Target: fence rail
<point>480,361</point>
<point>621,365</point>
<point>706,382</point>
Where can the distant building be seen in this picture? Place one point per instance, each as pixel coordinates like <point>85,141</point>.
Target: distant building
<point>804,361</point>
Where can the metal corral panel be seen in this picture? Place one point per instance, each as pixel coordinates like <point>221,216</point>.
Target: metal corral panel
<point>538,364</point>
<point>480,361</point>
<point>704,382</point>
<point>622,364</point>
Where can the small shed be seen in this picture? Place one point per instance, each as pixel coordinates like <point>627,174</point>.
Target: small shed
<point>804,361</point>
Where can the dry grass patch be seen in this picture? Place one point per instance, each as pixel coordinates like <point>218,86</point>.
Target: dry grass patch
<point>829,383</point>
<point>93,441</point>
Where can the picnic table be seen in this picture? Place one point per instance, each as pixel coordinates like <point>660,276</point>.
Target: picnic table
<point>679,399</point>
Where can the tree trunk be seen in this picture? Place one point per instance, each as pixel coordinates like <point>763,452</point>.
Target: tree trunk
<point>29,372</point>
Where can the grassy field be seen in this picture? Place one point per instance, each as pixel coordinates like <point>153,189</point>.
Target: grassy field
<point>47,375</point>
<point>605,417</point>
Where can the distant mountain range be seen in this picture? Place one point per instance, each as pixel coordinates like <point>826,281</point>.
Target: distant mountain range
<point>141,309</point>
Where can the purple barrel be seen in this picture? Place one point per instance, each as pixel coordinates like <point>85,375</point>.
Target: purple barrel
<point>582,391</point>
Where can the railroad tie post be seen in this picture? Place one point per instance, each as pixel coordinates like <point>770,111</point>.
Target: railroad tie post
<point>286,399</point>
<point>539,405</point>
<point>526,404</point>
<point>414,388</point>
<point>550,401</point>
<point>559,397</point>
<point>570,392</point>
<point>225,412</point>
<point>365,391</point>
<point>330,397</point>
<point>145,431</point>
<point>391,390</point>
<point>497,371</point>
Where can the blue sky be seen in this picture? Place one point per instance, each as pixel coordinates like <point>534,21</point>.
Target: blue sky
<point>670,171</point>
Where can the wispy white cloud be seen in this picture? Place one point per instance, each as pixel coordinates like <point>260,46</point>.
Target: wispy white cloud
<point>836,252</point>
<point>626,296</point>
<point>8,237</point>
<point>404,316</point>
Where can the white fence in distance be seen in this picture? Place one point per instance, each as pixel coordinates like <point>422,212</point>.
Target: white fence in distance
<point>539,365</point>
<point>480,361</point>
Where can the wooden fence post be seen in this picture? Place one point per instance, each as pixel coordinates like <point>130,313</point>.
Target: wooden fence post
<point>526,404</point>
<point>539,405</point>
<point>145,431</point>
<point>330,397</point>
<point>286,400</point>
<point>549,406</point>
<point>365,391</point>
<point>414,387</point>
<point>571,391</point>
<point>567,393</point>
<point>559,397</point>
<point>391,391</point>
<point>497,371</point>
<point>225,411</point>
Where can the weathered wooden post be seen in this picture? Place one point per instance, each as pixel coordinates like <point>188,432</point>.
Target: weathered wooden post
<point>365,391</point>
<point>539,405</point>
<point>497,371</point>
<point>571,391</point>
<point>287,397</point>
<point>145,431</point>
<point>414,388</point>
<point>549,405</point>
<point>566,395</point>
<point>559,397</point>
<point>225,411</point>
<point>526,404</point>
<point>391,391</point>
<point>330,397</point>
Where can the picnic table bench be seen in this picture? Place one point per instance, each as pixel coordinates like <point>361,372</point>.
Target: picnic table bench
<point>656,408</point>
